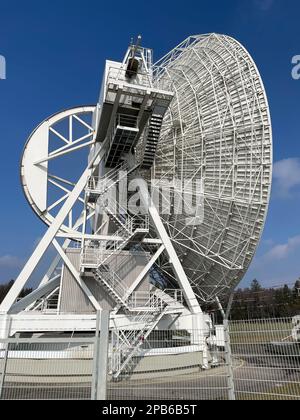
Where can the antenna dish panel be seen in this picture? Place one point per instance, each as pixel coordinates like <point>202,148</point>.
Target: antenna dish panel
<point>217,129</point>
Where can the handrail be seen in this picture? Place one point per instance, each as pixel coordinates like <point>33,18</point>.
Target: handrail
<point>114,281</point>
<point>102,183</point>
<point>119,74</point>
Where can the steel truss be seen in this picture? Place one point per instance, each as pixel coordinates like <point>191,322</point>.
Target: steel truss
<point>199,114</point>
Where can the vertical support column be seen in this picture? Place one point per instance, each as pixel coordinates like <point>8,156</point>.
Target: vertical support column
<point>96,357</point>
<point>4,347</point>
<point>229,362</point>
<point>198,337</point>
<point>99,391</point>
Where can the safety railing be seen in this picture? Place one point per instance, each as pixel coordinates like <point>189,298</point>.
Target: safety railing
<point>125,120</point>
<point>175,295</point>
<point>145,301</point>
<point>119,74</point>
<point>94,254</point>
<point>102,184</point>
<point>113,281</point>
<point>161,79</point>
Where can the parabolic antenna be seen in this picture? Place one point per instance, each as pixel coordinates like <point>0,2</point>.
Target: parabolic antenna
<point>196,127</point>
<point>218,129</point>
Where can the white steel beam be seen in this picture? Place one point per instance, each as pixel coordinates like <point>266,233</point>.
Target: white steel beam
<point>35,295</point>
<point>49,236</point>
<point>43,245</point>
<point>57,259</point>
<point>143,274</point>
<point>77,236</point>
<point>179,272</point>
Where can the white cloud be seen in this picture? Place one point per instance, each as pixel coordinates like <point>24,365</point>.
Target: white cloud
<point>282,251</point>
<point>280,265</point>
<point>286,175</point>
<point>10,261</point>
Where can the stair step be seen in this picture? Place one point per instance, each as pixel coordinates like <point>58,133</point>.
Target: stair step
<point>127,360</point>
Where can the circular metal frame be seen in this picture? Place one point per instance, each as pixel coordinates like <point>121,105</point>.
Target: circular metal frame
<point>35,177</point>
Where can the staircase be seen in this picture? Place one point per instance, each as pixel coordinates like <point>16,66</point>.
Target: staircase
<point>123,138</point>
<point>112,283</point>
<point>98,186</point>
<point>151,141</point>
<point>171,297</point>
<point>132,342</point>
<point>131,229</point>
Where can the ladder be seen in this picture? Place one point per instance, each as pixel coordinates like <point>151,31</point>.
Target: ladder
<point>151,141</point>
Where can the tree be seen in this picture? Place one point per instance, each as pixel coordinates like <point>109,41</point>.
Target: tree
<point>296,290</point>
<point>255,286</point>
<point>5,288</point>
<point>255,290</point>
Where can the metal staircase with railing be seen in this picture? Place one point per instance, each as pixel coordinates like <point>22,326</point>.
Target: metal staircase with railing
<point>131,229</point>
<point>112,283</point>
<point>127,230</point>
<point>151,141</point>
<point>99,186</point>
<point>123,356</point>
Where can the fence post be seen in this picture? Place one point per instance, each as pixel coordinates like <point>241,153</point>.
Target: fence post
<point>6,333</point>
<point>95,357</point>
<point>100,366</point>
<point>229,362</point>
<point>228,353</point>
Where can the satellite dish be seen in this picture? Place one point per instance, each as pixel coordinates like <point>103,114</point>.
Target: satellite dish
<point>218,129</point>
<point>199,116</point>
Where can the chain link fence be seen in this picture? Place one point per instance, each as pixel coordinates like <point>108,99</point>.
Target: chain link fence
<point>241,360</point>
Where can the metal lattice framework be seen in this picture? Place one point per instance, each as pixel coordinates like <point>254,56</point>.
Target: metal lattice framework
<point>218,129</point>
<point>199,114</point>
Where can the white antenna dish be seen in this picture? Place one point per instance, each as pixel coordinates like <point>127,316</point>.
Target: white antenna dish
<point>218,129</point>
<point>199,115</point>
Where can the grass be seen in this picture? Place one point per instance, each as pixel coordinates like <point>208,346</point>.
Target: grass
<point>261,331</point>
<point>284,392</point>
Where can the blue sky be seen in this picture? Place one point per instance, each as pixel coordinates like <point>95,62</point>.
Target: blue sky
<point>55,53</point>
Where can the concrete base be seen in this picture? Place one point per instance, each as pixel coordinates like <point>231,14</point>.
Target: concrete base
<point>78,370</point>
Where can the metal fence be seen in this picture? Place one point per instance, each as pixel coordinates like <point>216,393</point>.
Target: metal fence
<point>171,365</point>
<point>253,360</point>
<point>268,357</point>
<point>42,369</point>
